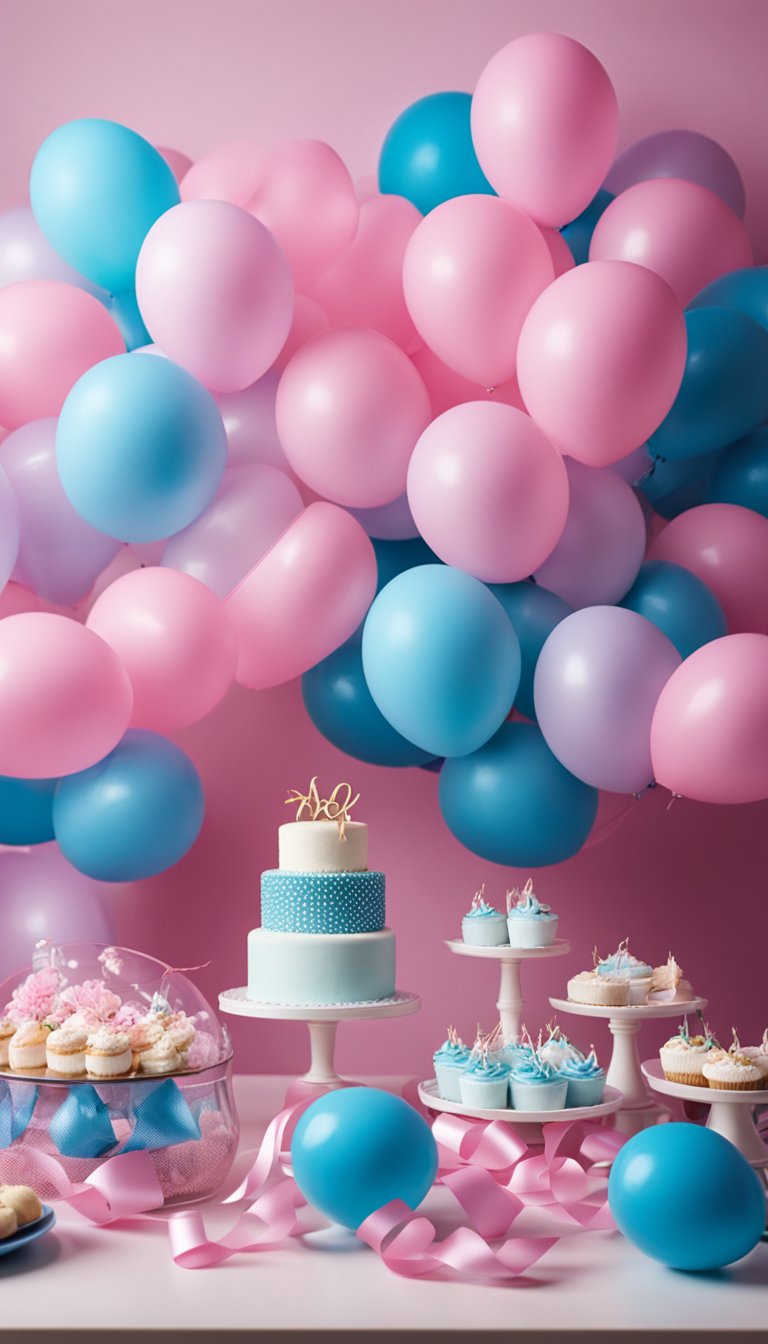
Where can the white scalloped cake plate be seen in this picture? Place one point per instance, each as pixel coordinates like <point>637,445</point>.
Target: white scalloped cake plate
<point>399,1004</point>
<point>505,952</point>
<point>611,1102</point>
<point>633,1012</point>
<point>708,1096</point>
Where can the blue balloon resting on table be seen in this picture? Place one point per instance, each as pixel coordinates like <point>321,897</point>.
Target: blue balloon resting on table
<point>676,601</point>
<point>578,234</point>
<point>96,189</point>
<point>357,1149</point>
<point>534,612</point>
<point>741,474</point>
<point>686,1196</point>
<point>745,290</point>
<point>673,487</point>
<point>125,311</point>
<point>441,659</point>
<point>132,815</point>
<point>724,392</point>
<point>512,802</point>
<point>140,447</point>
<point>26,810</point>
<point>428,155</point>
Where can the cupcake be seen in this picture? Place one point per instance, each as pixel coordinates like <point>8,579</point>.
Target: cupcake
<point>557,1049</point>
<point>730,1072</point>
<point>622,963</point>
<point>7,1030</point>
<point>606,991</point>
<point>26,1048</point>
<point>65,1051</point>
<point>484,1082</point>
<point>450,1061</point>
<point>667,982</point>
<point>535,1086</point>
<point>483,925</point>
<point>180,1031</point>
<point>683,1057</point>
<point>108,1053</point>
<point>162,1057</point>
<point>142,1036</point>
<point>585,1079</point>
<point>514,1052</point>
<point>529,923</point>
<point>757,1053</point>
<point>24,1202</point>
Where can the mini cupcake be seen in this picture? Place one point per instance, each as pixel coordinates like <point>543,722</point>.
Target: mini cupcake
<point>515,1052</point>
<point>450,1061</point>
<point>683,1057</point>
<point>7,1030</point>
<point>535,1086</point>
<point>557,1049</point>
<point>484,1081</point>
<point>108,1054</point>
<point>162,1057</point>
<point>585,1079</point>
<point>622,963</point>
<point>65,1051</point>
<point>529,923</point>
<point>606,991</point>
<point>757,1053</point>
<point>26,1048</point>
<point>142,1036</point>
<point>732,1072</point>
<point>180,1031</point>
<point>483,925</point>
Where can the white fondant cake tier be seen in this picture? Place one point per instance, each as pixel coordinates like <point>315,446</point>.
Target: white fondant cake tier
<point>317,847</point>
<point>306,968</point>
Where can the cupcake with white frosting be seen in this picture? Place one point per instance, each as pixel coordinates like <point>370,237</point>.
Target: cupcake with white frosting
<point>683,1056</point>
<point>179,1030</point>
<point>757,1054</point>
<point>162,1057</point>
<point>142,1036</point>
<point>108,1053</point>
<point>26,1048</point>
<point>7,1030</point>
<point>65,1051</point>
<point>731,1072</point>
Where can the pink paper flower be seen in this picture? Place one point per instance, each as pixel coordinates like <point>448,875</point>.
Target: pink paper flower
<point>129,1015</point>
<point>34,999</point>
<point>92,1001</point>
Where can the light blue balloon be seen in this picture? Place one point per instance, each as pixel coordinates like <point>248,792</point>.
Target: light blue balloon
<point>741,474</point>
<point>26,810</point>
<point>673,487</point>
<point>745,290</point>
<point>534,612</point>
<point>676,601</point>
<point>140,447</point>
<point>125,311</point>
<point>512,802</point>
<point>428,155</point>
<point>133,814</point>
<point>684,1195</point>
<point>359,1148</point>
<point>441,659</point>
<point>578,234</point>
<point>96,189</point>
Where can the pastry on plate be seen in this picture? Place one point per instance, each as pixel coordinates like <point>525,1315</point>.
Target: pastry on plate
<point>24,1202</point>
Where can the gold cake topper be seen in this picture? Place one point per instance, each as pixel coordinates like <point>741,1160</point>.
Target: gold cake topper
<point>311,807</point>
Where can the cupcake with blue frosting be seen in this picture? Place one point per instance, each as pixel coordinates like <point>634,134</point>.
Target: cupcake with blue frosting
<point>529,922</point>
<point>535,1085</point>
<point>450,1062</point>
<point>557,1049</point>
<point>624,965</point>
<point>585,1080</point>
<point>485,1081</point>
<point>483,925</point>
<point>516,1051</point>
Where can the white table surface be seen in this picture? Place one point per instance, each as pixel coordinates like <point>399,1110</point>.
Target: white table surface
<point>85,1279</point>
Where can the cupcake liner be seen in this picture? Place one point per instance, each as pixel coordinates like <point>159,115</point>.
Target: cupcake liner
<point>735,1087</point>
<point>689,1079</point>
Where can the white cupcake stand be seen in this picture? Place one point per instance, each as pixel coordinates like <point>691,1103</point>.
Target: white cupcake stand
<point>511,1004</point>
<point>731,1113</point>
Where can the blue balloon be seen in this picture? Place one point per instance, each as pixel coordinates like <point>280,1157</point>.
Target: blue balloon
<point>673,487</point>
<point>125,310</point>
<point>534,612</point>
<point>140,447</point>
<point>428,155</point>
<point>724,392</point>
<point>133,814</point>
<point>741,474</point>
<point>684,1195</point>
<point>96,189</point>
<point>676,601</point>
<point>512,802</point>
<point>359,1148</point>
<point>745,290</point>
<point>26,810</point>
<point>441,659</point>
<point>578,234</point>
<point>394,557</point>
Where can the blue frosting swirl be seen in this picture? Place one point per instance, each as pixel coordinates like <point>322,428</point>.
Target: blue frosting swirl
<point>581,1068</point>
<point>482,910</point>
<point>492,1068</point>
<point>529,907</point>
<point>534,1070</point>
<point>451,1053</point>
<point>623,963</point>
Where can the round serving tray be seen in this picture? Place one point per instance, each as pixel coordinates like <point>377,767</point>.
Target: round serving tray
<point>610,1103</point>
<point>211,1072</point>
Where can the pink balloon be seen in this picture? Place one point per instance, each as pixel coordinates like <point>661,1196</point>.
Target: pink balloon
<point>215,292</point>
<point>231,172</point>
<point>682,231</point>
<point>16,598</point>
<point>545,124</point>
<point>178,163</point>
<point>252,508</point>
<point>559,251</point>
<point>727,547</point>
<point>249,422</point>
<point>364,286</point>
<point>50,335</point>
<point>305,598</point>
<point>309,319</point>
<point>472,269</point>
<point>367,187</point>
<point>487,491</point>
<point>65,697</point>
<point>596,559</point>
<point>174,639</point>
<point>601,359</point>
<point>447,388</point>
<point>709,737</point>
<point>350,407</point>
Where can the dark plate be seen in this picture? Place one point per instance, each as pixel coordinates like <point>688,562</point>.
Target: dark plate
<point>30,1232</point>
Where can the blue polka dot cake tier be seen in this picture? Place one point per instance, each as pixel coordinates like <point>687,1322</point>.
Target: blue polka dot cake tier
<point>301,902</point>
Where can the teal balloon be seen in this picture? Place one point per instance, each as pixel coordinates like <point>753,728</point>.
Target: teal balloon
<point>672,487</point>
<point>394,557</point>
<point>724,392</point>
<point>684,1195</point>
<point>26,810</point>
<point>125,311</point>
<point>359,1148</point>
<point>96,189</point>
<point>132,815</point>
<point>578,234</point>
<point>512,802</point>
<point>741,474</point>
<point>676,601</point>
<point>441,659</point>
<point>428,155</point>
<point>140,447</point>
<point>745,290</point>
<point>534,612</point>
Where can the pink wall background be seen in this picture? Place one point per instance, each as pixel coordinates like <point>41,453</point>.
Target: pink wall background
<point>192,73</point>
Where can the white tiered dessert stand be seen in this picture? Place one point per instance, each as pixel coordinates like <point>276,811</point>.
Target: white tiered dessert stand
<point>730,1112</point>
<point>511,1004</point>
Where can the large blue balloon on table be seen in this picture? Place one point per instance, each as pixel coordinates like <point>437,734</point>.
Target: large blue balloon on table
<point>684,1195</point>
<point>678,603</point>
<point>26,810</point>
<point>745,290</point>
<point>741,474</point>
<point>359,1148</point>
<point>534,612</point>
<point>428,155</point>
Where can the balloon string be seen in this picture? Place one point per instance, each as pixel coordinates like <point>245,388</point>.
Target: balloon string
<point>609,827</point>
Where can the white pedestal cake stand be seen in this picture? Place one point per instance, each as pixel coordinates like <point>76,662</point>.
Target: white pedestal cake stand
<point>511,1004</point>
<point>638,1110</point>
<point>527,1123</point>
<point>730,1112</point>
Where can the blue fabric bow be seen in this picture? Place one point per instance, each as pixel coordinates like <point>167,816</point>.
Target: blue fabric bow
<point>16,1107</point>
<point>82,1126</point>
<point>162,1119</point>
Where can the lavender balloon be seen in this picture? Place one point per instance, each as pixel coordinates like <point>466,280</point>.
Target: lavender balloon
<point>597,682</point>
<point>45,897</point>
<point>388,522</point>
<point>686,154</point>
<point>249,421</point>
<point>26,254</point>
<point>9,524</point>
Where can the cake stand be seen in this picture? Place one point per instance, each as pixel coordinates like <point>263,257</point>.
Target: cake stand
<point>527,1123</point>
<point>730,1112</point>
<point>638,1109</point>
<point>511,1005</point>
<point>322,1021</point>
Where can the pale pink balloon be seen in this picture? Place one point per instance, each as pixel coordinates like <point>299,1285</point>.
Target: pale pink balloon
<point>559,251</point>
<point>727,547</point>
<point>601,359</point>
<point>447,388</point>
<point>305,598</point>
<point>366,187</point>
<point>174,639</point>
<point>709,737</point>
<point>472,269</point>
<point>65,697</point>
<point>350,407</point>
<point>50,335</point>
<point>249,423</point>
<point>230,172</point>
<point>487,491</point>
<point>596,559</point>
<point>178,162</point>
<point>309,319</point>
<point>215,292</point>
<point>545,125</point>
<point>364,286</point>
<point>680,230</point>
